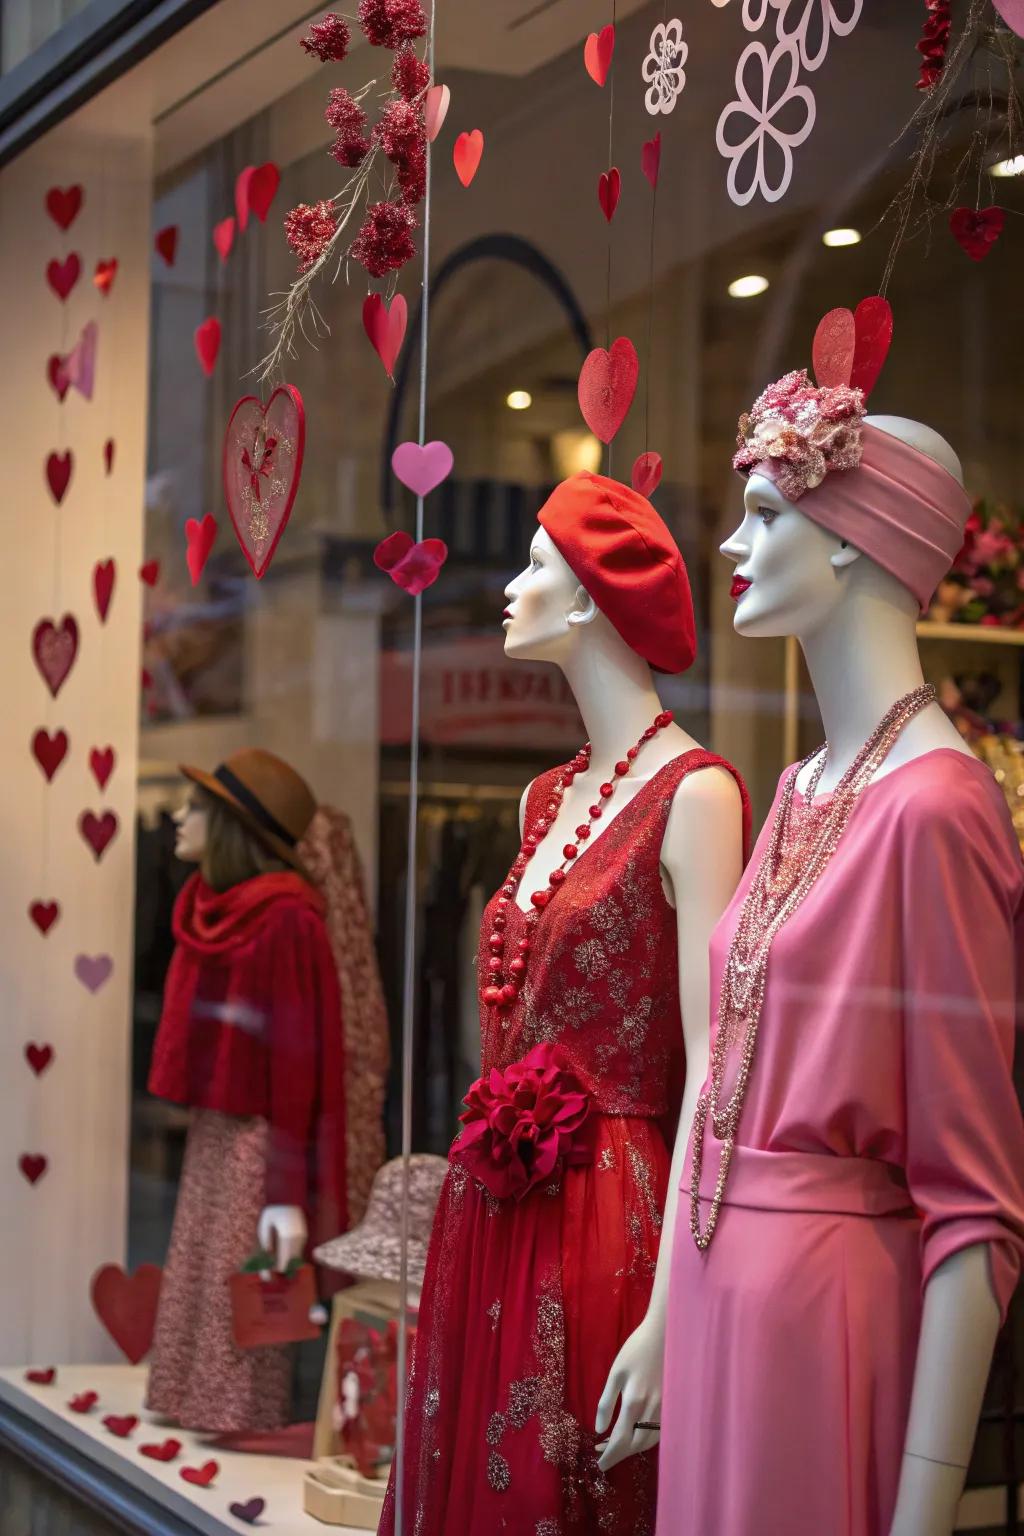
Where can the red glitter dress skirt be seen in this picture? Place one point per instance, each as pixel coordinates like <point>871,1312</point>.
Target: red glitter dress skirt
<point>527,1302</point>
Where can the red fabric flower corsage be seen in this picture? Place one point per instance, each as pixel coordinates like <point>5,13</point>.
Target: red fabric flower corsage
<point>523,1124</point>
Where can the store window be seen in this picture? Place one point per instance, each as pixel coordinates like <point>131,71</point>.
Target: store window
<point>295,1080</point>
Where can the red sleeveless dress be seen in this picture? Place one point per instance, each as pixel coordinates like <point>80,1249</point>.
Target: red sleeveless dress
<point>526,1302</point>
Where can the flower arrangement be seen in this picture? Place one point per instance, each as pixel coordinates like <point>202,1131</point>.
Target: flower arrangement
<point>387,161</point>
<point>805,431</point>
<point>364,1415</point>
<point>523,1124</point>
<point>986,582</point>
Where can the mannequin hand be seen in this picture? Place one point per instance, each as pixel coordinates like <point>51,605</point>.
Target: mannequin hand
<point>635,1382</point>
<point>282,1231</point>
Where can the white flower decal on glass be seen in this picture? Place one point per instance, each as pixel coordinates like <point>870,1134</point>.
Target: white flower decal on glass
<point>771,116</point>
<point>754,13</point>
<point>811,23</point>
<point>663,67</point>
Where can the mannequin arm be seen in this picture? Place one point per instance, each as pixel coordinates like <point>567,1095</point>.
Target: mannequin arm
<point>702,856</point>
<point>282,1231</point>
<point>959,1323</point>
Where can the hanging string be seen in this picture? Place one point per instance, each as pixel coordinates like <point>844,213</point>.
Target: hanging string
<point>608,272</point>
<point>409,956</point>
<point>650,282</point>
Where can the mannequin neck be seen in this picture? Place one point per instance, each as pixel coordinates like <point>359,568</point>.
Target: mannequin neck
<point>615,694</point>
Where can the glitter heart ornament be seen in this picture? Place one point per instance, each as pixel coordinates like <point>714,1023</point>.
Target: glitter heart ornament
<point>54,649</point>
<point>262,467</point>
<point>607,385</point>
<point>413,567</point>
<point>832,349</point>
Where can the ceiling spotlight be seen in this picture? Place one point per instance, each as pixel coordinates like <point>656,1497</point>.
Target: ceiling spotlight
<point>747,287</point>
<point>836,237</point>
<point>1014,167</point>
<point>519,400</point>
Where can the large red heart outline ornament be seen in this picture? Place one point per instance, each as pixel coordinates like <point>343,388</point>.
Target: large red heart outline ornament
<point>607,384</point>
<point>262,466</point>
<point>126,1306</point>
<point>54,648</point>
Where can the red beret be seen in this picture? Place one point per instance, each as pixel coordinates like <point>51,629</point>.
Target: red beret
<point>621,551</point>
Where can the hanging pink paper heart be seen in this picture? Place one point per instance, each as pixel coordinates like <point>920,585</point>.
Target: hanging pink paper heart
<point>436,102</point>
<point>58,474</point>
<point>1012,12</point>
<point>650,158</point>
<point>833,347</point>
<point>58,380</point>
<point>224,237</point>
<point>385,327</point>
<point>33,1165</point>
<point>98,831</point>
<point>63,275</point>
<point>104,574</point>
<point>411,566</point>
<point>607,384</point>
<point>49,751</point>
<point>873,322</point>
<point>254,191</point>
<point>44,914</point>
<point>200,538</point>
<point>55,650</point>
<point>79,367</point>
<point>976,230</point>
<point>63,204</point>
<point>262,466</point>
<point>108,454</point>
<point>103,277</point>
<point>165,242</point>
<point>645,476</point>
<point>102,761</point>
<point>466,155</point>
<point>609,185</point>
<point>422,468</point>
<point>38,1057</point>
<point>93,971</point>
<point>597,54</point>
<point>207,343</point>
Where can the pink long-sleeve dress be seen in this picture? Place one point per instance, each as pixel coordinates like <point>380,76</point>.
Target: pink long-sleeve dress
<point>880,1134</point>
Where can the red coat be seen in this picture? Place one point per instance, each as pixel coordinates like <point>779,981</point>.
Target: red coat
<point>251,1025</point>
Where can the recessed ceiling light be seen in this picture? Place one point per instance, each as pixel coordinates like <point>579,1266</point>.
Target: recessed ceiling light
<point>835,237</point>
<point>519,400</point>
<point>1014,167</point>
<point>747,287</point>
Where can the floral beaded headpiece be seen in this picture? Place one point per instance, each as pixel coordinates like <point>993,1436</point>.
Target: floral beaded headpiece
<point>805,431</point>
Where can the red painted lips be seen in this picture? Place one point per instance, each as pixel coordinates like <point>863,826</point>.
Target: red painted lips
<point>740,584</point>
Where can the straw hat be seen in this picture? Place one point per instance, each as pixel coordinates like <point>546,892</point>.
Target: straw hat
<point>269,797</point>
<point>373,1249</point>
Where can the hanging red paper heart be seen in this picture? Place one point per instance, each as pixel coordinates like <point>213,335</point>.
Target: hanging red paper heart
<point>597,54</point>
<point>103,277</point>
<point>42,1378</point>
<point>104,574</point>
<point>413,567</point>
<point>165,242</point>
<point>873,324</point>
<point>33,1165</point>
<point>63,204</point>
<point>976,230</point>
<point>250,1511</point>
<point>126,1305</point>
<point>609,185</point>
<point>98,831</point>
<point>44,914</point>
<point>120,1424</point>
<point>49,751</point>
<point>832,350</point>
<point>58,474</point>
<point>207,343</point>
<point>650,158</point>
<point>63,275</point>
<point>102,762</point>
<point>150,572</point>
<point>385,327</point>
<point>83,1402</point>
<point>646,473</point>
<point>224,237</point>
<point>199,538</point>
<point>59,381</point>
<point>202,1476</point>
<point>262,466</point>
<point>466,155</point>
<point>254,191</point>
<point>108,454</point>
<point>167,1450</point>
<point>55,650</point>
<point>38,1057</point>
<point>607,384</point>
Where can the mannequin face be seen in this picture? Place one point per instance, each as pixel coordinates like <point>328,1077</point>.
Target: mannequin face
<point>190,844</point>
<point>789,572</point>
<point>545,605</point>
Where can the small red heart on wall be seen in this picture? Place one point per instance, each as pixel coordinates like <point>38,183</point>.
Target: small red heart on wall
<point>98,831</point>
<point>39,1057</point>
<point>59,381</point>
<point>55,650</point>
<point>63,275</point>
<point>597,54</point>
<point>609,184</point>
<point>103,277</point>
<point>199,538</point>
<point>33,1165</point>
<point>466,155</point>
<point>49,751</point>
<point>607,384</point>
<point>150,572</point>
<point>165,242</point>
<point>202,1476</point>
<point>102,761</point>
<point>44,1378</point>
<point>44,914</point>
<point>58,474</point>
<point>83,1402</point>
<point>63,204</point>
<point>104,574</point>
<point>207,343</point>
<point>108,454</point>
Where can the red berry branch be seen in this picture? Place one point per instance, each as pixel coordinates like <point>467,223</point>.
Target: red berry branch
<point>933,43</point>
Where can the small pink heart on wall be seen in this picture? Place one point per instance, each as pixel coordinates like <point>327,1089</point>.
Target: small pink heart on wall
<point>93,971</point>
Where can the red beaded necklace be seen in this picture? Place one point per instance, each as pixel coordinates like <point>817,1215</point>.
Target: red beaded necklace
<point>503,983</point>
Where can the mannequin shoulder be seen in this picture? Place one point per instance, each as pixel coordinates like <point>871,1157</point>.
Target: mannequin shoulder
<point>946,800</point>
<point>706,816</point>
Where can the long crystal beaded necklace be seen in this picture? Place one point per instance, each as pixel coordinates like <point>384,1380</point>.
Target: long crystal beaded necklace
<point>792,862</point>
<point>504,979</point>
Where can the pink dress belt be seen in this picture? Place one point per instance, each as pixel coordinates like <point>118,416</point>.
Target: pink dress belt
<point>805,1181</point>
